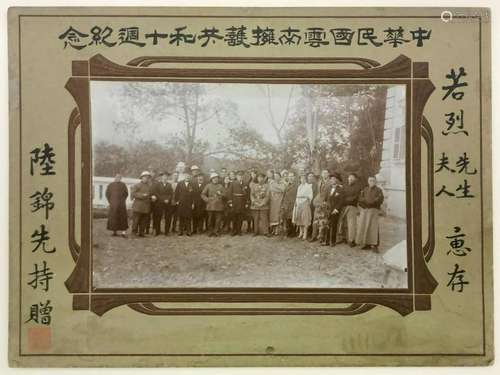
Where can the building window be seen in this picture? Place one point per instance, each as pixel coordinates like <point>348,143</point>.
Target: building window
<point>100,192</point>
<point>399,143</point>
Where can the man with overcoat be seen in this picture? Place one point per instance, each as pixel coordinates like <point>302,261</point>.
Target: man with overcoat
<point>238,195</point>
<point>214,196</point>
<point>199,211</point>
<point>184,196</point>
<point>162,193</point>
<point>335,199</point>
<point>141,207</point>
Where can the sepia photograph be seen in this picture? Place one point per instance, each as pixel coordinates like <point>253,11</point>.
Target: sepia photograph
<point>248,185</point>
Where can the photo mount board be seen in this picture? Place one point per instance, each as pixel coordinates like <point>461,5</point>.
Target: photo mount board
<point>49,94</point>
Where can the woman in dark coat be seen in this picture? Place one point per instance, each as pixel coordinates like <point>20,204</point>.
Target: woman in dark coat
<point>287,204</point>
<point>116,194</point>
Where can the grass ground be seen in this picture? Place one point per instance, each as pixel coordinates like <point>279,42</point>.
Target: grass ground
<point>242,261</point>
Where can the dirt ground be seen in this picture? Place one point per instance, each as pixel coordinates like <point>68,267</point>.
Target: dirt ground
<point>241,261</point>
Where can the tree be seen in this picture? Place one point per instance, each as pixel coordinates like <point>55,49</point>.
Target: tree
<point>246,143</point>
<point>339,127</point>
<point>366,135</point>
<point>188,103</point>
<point>110,159</point>
<point>280,126</point>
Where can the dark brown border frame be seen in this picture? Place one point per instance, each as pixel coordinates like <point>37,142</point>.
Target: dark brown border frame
<point>402,70</point>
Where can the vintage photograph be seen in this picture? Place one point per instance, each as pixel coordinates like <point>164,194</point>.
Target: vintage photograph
<point>245,185</point>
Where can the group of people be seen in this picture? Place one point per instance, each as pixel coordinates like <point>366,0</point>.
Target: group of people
<point>315,208</point>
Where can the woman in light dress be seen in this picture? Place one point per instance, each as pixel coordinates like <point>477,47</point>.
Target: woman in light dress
<point>302,215</point>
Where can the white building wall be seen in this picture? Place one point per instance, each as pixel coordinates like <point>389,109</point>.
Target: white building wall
<point>392,168</point>
<point>99,190</point>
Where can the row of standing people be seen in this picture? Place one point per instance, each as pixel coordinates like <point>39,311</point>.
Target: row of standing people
<point>271,204</point>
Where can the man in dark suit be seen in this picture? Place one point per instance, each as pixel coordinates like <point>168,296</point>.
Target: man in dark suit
<point>162,193</point>
<point>199,211</point>
<point>238,195</point>
<point>184,196</point>
<point>311,179</point>
<point>171,216</point>
<point>149,218</point>
<point>287,204</point>
<point>196,172</point>
<point>335,199</point>
<point>323,182</point>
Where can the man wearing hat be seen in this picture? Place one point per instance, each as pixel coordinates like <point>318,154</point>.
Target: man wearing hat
<point>335,203</point>
<point>195,172</point>
<point>349,217</point>
<point>238,198</point>
<point>162,193</point>
<point>199,211</point>
<point>214,195</point>
<point>141,207</point>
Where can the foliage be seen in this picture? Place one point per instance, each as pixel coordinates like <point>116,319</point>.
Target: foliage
<point>336,127</point>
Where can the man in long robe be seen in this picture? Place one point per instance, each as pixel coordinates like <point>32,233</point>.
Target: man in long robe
<point>116,194</point>
<point>370,200</point>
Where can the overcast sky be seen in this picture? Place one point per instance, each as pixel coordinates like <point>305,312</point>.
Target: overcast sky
<point>106,104</point>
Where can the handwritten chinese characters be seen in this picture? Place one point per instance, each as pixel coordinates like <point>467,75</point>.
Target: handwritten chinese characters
<point>42,163</point>
<point>455,126</point>
<point>459,165</point>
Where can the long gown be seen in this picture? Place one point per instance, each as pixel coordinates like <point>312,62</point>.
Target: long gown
<point>302,210</point>
<point>367,232</point>
<point>116,194</point>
